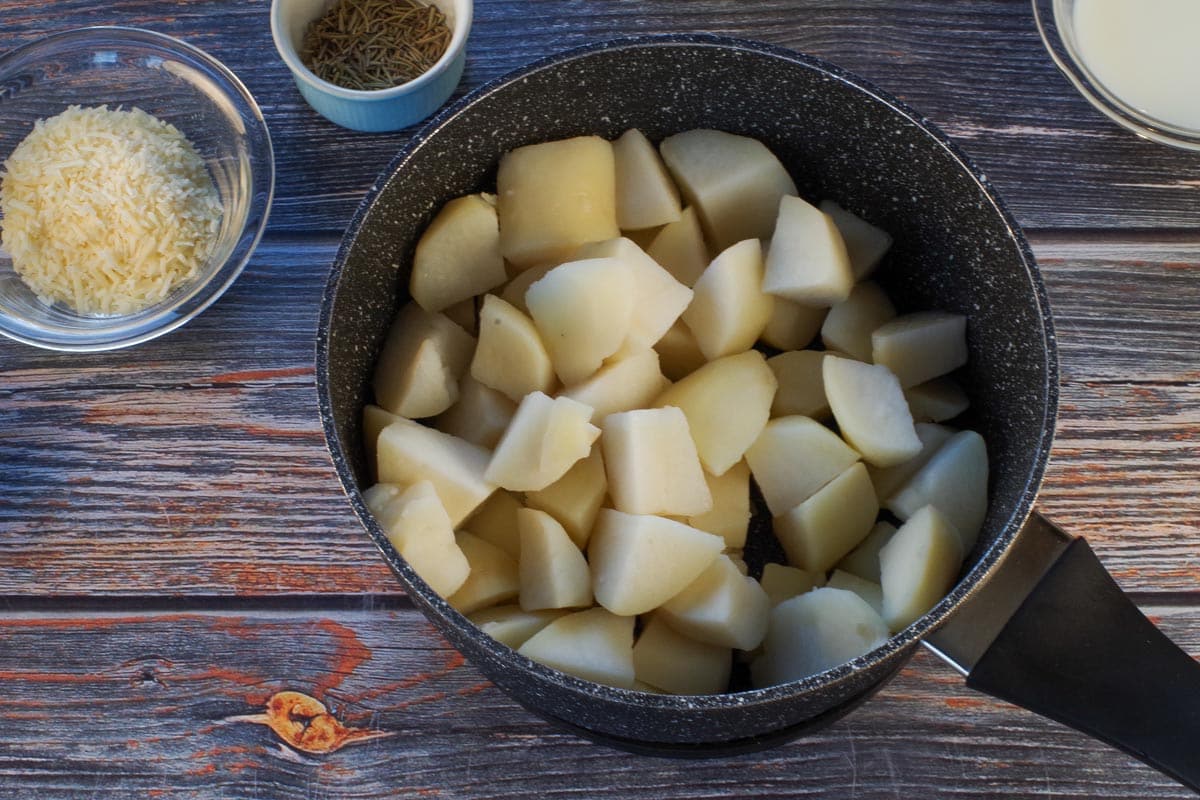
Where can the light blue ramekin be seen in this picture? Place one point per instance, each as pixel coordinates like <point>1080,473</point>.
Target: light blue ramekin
<point>381,109</point>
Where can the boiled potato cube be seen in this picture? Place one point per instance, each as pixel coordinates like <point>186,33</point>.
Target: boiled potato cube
<point>816,631</point>
<point>652,465</point>
<point>678,353</point>
<point>553,197</point>
<point>638,562</point>
<point>936,400</point>
<point>422,359</point>
<point>918,566</point>
<point>594,645</point>
<point>511,357</point>
<point>868,590</point>
<point>512,625</point>
<point>646,196</point>
<point>374,420</point>
<point>622,384</point>
<point>721,606</point>
<point>514,291</point>
<point>582,309</point>
<point>801,385</point>
<point>679,665</point>
<point>408,452</point>
<point>850,323</point>
<point>792,325</point>
<point>729,309</point>
<point>921,346</point>
<point>727,403</point>
<point>417,525</point>
<point>576,497</point>
<point>734,182</point>
<point>817,533</point>
<point>807,259</point>
<point>870,410</point>
<point>679,247</point>
<point>863,560</point>
<point>955,480</point>
<point>888,479</point>
<point>782,582</point>
<point>730,514</point>
<point>793,457</point>
<point>496,522</point>
<point>493,578</point>
<point>546,437</point>
<point>480,416</point>
<point>658,299</point>
<point>865,244</point>
<point>458,255</point>
<point>552,569</point>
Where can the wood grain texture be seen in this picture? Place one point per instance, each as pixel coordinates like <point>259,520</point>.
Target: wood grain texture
<point>132,704</point>
<point>976,69</point>
<point>195,464</point>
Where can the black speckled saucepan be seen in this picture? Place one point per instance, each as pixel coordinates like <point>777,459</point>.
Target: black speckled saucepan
<point>956,248</point>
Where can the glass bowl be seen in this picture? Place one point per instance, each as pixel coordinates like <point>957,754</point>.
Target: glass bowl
<point>179,84</point>
<point>1057,23</point>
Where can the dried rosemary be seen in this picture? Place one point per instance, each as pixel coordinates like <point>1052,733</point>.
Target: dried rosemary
<point>375,44</point>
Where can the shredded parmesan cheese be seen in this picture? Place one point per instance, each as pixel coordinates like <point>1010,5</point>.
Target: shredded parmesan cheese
<point>106,211</point>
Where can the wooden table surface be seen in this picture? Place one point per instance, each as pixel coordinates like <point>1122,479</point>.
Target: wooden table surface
<point>175,548</point>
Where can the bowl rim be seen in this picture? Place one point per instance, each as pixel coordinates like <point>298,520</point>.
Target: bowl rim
<point>460,31</point>
<point>1071,64</point>
<point>123,330</point>
<point>905,640</point>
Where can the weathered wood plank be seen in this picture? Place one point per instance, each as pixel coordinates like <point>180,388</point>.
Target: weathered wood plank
<point>976,69</point>
<point>126,704</point>
<point>195,464</point>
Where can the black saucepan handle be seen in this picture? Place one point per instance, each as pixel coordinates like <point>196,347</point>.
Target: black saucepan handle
<point>1079,652</point>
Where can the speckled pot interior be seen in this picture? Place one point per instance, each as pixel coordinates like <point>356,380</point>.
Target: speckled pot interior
<point>955,248</point>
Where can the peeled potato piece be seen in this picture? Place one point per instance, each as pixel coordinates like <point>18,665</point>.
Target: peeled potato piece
<point>496,522</point>
<point>849,324</point>
<point>721,606</point>
<point>374,420</point>
<point>863,560</point>
<point>825,527</point>
<point>816,631</point>
<point>730,514</point>
<point>480,416</point>
<point>493,578</point>
<point>865,243</point>
<point>652,465</point>
<point>793,457</point>
<point>782,582</point>
<point>417,525</point>
<point>792,325</point>
<point>422,359</point>
<point>408,452</point>
<point>679,247</point>
<point>623,384</point>
<point>936,400</point>
<point>594,645</point>
<point>546,437</point>
<point>955,480</point>
<point>807,259</point>
<point>729,309</point>
<point>921,346</point>
<point>734,182</point>
<point>918,566</point>
<point>582,309</point>
<point>674,663</point>
<point>458,255</point>
<point>868,590</point>
<point>576,497</point>
<point>510,357</point>
<point>870,409</point>
<point>801,385</point>
<point>552,569</point>
<point>658,299</point>
<point>646,196</point>
<point>554,196</point>
<point>514,291</point>
<point>639,561</point>
<point>727,403</point>
<point>512,625</point>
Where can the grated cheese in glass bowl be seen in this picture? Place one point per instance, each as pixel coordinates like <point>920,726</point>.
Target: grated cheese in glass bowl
<point>136,176</point>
